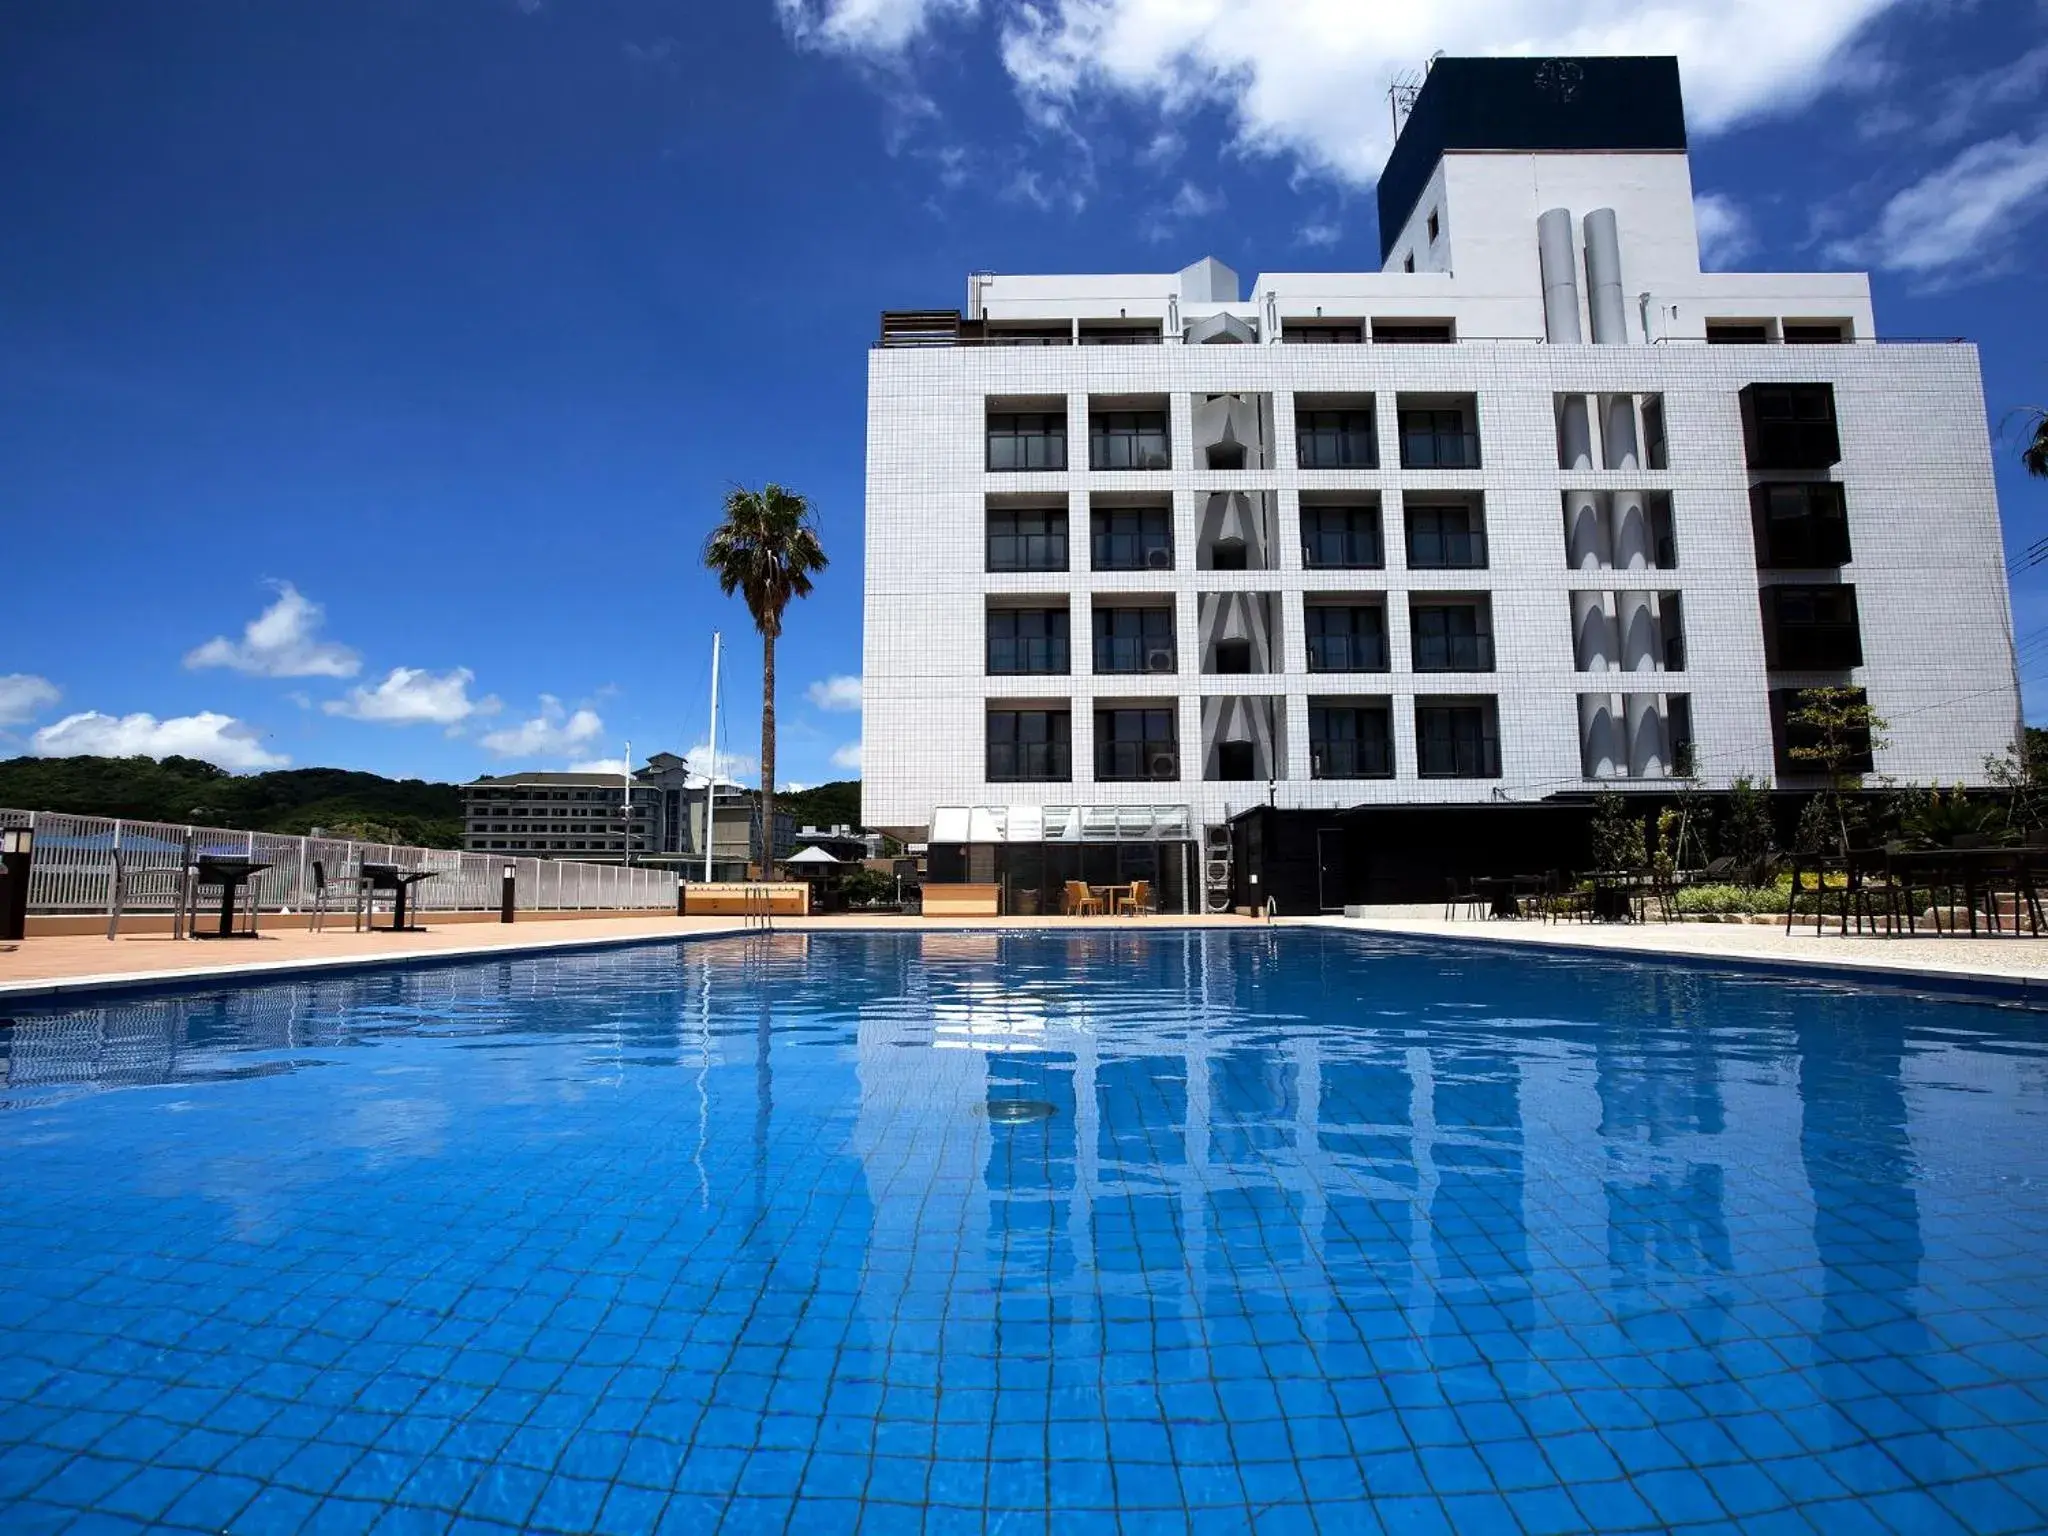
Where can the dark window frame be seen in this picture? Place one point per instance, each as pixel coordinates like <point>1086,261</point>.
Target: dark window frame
<point>1154,530</point>
<point>1124,435</point>
<point>1336,437</point>
<point>1051,534</point>
<point>1800,525</point>
<point>1130,635</point>
<point>1470,541</point>
<point>1346,645</point>
<point>1430,628</point>
<point>1352,752</point>
<point>1812,627</point>
<point>1315,537</point>
<point>1050,751</point>
<point>1050,429</point>
<point>1047,653</point>
<point>1457,738</point>
<point>1448,439</point>
<point>1125,758</point>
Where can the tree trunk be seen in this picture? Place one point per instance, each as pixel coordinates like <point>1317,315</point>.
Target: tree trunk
<point>768,753</point>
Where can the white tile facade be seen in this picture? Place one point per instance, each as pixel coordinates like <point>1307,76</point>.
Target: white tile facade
<point>1915,468</point>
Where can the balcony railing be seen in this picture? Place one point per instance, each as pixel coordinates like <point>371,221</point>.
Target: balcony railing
<point>1439,450</point>
<point>1127,653</point>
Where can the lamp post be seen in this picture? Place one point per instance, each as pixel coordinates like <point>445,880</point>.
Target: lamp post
<point>17,853</point>
<point>507,890</point>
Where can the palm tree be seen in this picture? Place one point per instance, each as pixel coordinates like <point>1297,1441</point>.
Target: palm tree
<point>2035,454</point>
<point>766,550</point>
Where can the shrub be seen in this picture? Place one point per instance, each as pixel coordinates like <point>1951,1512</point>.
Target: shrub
<point>1698,899</point>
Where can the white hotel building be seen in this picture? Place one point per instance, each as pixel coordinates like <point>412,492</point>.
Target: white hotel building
<point>1537,508</point>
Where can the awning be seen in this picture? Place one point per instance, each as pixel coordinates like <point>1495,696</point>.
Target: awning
<point>1061,824</point>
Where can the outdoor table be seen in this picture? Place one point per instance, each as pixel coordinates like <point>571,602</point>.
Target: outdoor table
<point>1115,896</point>
<point>389,877</point>
<point>230,874</point>
<point>1973,866</point>
<point>1612,889</point>
<point>1503,892</point>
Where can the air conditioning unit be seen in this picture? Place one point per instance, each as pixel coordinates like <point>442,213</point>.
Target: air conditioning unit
<point>1160,660</point>
<point>1159,558</point>
<point>1165,765</point>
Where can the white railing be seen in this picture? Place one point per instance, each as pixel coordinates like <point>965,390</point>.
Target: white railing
<point>75,860</point>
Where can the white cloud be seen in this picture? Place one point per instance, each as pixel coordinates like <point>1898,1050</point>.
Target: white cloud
<point>1318,235</point>
<point>1958,104</point>
<point>847,756</point>
<point>554,732</point>
<point>734,768</point>
<point>281,641</point>
<point>1726,234</point>
<point>873,27</point>
<point>1307,78</point>
<point>1966,214</point>
<point>218,739</point>
<point>414,696</point>
<point>23,696</point>
<point>840,692</point>
<point>600,765</point>
<point>792,787</point>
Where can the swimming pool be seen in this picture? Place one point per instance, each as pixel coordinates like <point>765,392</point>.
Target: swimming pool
<point>1288,1231</point>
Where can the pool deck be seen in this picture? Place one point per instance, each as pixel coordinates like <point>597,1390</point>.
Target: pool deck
<point>49,967</point>
<point>2005,965</point>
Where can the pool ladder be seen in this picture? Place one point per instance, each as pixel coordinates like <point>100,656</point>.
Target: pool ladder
<point>757,909</point>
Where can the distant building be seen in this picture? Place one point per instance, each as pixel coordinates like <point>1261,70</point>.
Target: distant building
<point>586,816</point>
<point>842,842</point>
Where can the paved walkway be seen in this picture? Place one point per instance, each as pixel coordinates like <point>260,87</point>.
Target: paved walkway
<point>70,963</point>
<point>1926,954</point>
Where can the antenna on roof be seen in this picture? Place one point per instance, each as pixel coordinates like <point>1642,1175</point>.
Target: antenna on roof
<point>1401,94</point>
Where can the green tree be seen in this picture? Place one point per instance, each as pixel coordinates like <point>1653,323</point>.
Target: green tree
<point>1749,837</point>
<point>766,550</point>
<point>1837,729</point>
<point>2035,454</point>
<point>1617,833</point>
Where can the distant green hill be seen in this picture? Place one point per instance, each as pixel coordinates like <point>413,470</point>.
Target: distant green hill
<point>823,805</point>
<point>183,789</point>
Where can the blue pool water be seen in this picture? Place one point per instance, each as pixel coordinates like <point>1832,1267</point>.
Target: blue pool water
<point>1294,1231</point>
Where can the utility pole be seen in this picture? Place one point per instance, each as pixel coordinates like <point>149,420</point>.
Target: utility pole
<point>711,770</point>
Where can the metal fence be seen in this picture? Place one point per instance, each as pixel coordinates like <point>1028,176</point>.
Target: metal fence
<point>76,856</point>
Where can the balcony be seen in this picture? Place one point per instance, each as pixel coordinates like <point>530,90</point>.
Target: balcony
<point>1350,738</point>
<point>1440,432</point>
<point>1800,525</point>
<point>1457,737</point>
<point>1027,642</point>
<point>1341,536</point>
<point>1346,637</point>
<point>1790,426</point>
<point>1452,634</point>
<point>1811,629</point>
<point>1026,536</point>
<point>1446,535</point>
<point>1029,746</point>
<point>1136,743</point>
<point>1343,436</point>
<point>1128,439</point>
<point>1027,441</point>
<point>1130,536</point>
<point>1134,640</point>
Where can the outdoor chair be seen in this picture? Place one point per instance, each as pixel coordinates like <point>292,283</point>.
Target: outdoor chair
<point>1470,897</point>
<point>1139,899</point>
<point>130,885</point>
<point>1079,901</point>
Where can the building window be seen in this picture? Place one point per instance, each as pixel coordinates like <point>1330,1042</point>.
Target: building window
<point>1800,525</point>
<point>1335,440</point>
<point>1788,733</point>
<point>1131,539</point>
<point>1812,629</point>
<point>1408,262</point>
<point>1350,741</point>
<point>1412,332</point>
<point>1438,439</point>
<point>1433,227</point>
<point>1347,638</point>
<point>1135,744</point>
<point>1790,426</point>
<point>1134,640</point>
<point>1455,636</point>
<point>1451,537</point>
<point>1027,540</point>
<point>1027,640</point>
<point>1341,538</point>
<point>1029,746</point>
<point>1027,441</point>
<point>1350,334</point>
<point>1738,333</point>
<point>1457,738</point>
<point>1810,333</point>
<point>1128,440</point>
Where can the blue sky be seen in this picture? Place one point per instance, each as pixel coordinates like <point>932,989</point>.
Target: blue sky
<point>426,337</point>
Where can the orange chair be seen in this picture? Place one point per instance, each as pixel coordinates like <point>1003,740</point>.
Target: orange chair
<point>1079,901</point>
<point>1139,898</point>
